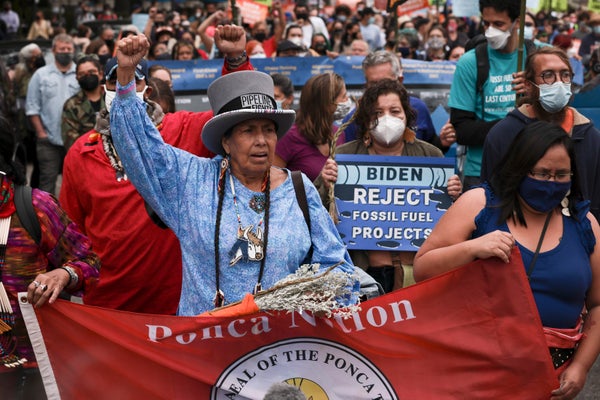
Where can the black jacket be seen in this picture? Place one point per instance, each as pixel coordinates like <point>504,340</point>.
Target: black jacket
<point>586,141</point>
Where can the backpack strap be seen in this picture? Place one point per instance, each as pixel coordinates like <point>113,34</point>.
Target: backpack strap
<point>303,203</point>
<point>26,212</point>
<point>483,71</point>
<point>483,65</point>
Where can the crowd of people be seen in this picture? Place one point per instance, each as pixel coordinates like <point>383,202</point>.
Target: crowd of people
<point>203,207</point>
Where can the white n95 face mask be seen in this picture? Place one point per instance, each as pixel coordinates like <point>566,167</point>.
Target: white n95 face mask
<point>389,130</point>
<point>497,38</point>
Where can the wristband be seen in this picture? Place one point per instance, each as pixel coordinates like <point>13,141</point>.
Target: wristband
<point>237,60</point>
<point>73,277</point>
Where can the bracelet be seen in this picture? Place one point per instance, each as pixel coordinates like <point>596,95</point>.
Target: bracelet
<point>237,60</point>
<point>73,277</point>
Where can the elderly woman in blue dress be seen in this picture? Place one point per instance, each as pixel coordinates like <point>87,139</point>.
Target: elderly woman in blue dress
<point>236,216</point>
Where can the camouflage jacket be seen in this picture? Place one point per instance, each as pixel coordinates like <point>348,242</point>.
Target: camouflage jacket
<point>78,117</point>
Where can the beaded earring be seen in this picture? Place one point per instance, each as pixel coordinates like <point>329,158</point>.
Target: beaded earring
<point>224,167</point>
<point>564,203</point>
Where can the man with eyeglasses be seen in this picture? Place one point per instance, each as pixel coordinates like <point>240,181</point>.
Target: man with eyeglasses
<point>473,110</point>
<point>548,77</point>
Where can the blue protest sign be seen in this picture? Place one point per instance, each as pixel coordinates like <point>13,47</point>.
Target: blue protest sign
<point>390,203</point>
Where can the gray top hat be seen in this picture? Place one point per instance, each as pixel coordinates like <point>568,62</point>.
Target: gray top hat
<point>240,96</point>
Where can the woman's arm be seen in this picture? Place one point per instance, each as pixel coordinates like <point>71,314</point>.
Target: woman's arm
<point>449,245</point>
<point>208,41</point>
<point>64,245</point>
<point>158,171</point>
<point>328,247</point>
<point>573,378</point>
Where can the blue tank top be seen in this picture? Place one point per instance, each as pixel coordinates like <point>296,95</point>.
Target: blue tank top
<point>562,276</point>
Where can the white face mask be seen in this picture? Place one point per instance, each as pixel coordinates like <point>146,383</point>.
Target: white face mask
<point>389,130</point>
<point>140,95</point>
<point>258,55</point>
<point>109,96</point>
<point>497,38</point>
<point>342,110</point>
<point>296,40</point>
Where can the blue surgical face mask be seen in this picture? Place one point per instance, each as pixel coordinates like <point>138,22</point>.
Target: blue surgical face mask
<point>555,97</point>
<point>528,32</point>
<point>279,104</point>
<point>371,20</point>
<point>543,196</point>
<point>596,29</point>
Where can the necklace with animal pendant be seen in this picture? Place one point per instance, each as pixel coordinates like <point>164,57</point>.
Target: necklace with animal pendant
<point>249,244</point>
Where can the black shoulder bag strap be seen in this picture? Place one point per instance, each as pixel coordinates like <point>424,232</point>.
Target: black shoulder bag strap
<point>539,246</point>
<point>303,203</point>
<point>26,213</point>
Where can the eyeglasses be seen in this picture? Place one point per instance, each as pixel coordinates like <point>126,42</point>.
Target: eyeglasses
<point>549,76</point>
<point>560,176</point>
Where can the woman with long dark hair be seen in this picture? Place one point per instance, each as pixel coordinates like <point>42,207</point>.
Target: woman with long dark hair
<point>534,201</point>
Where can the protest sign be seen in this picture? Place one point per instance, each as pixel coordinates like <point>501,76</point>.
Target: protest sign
<point>390,203</point>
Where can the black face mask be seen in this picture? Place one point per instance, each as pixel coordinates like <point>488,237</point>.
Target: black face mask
<point>109,42</point>
<point>260,36</point>
<point>303,16</point>
<point>320,48</point>
<point>104,58</point>
<point>38,62</point>
<point>163,56</point>
<point>63,59</point>
<point>89,82</point>
<point>405,51</point>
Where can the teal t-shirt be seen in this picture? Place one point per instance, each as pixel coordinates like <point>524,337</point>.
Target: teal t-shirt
<point>499,96</point>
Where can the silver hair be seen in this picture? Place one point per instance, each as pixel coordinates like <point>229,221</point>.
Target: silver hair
<point>284,391</point>
<point>26,52</point>
<point>62,38</point>
<point>383,57</point>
